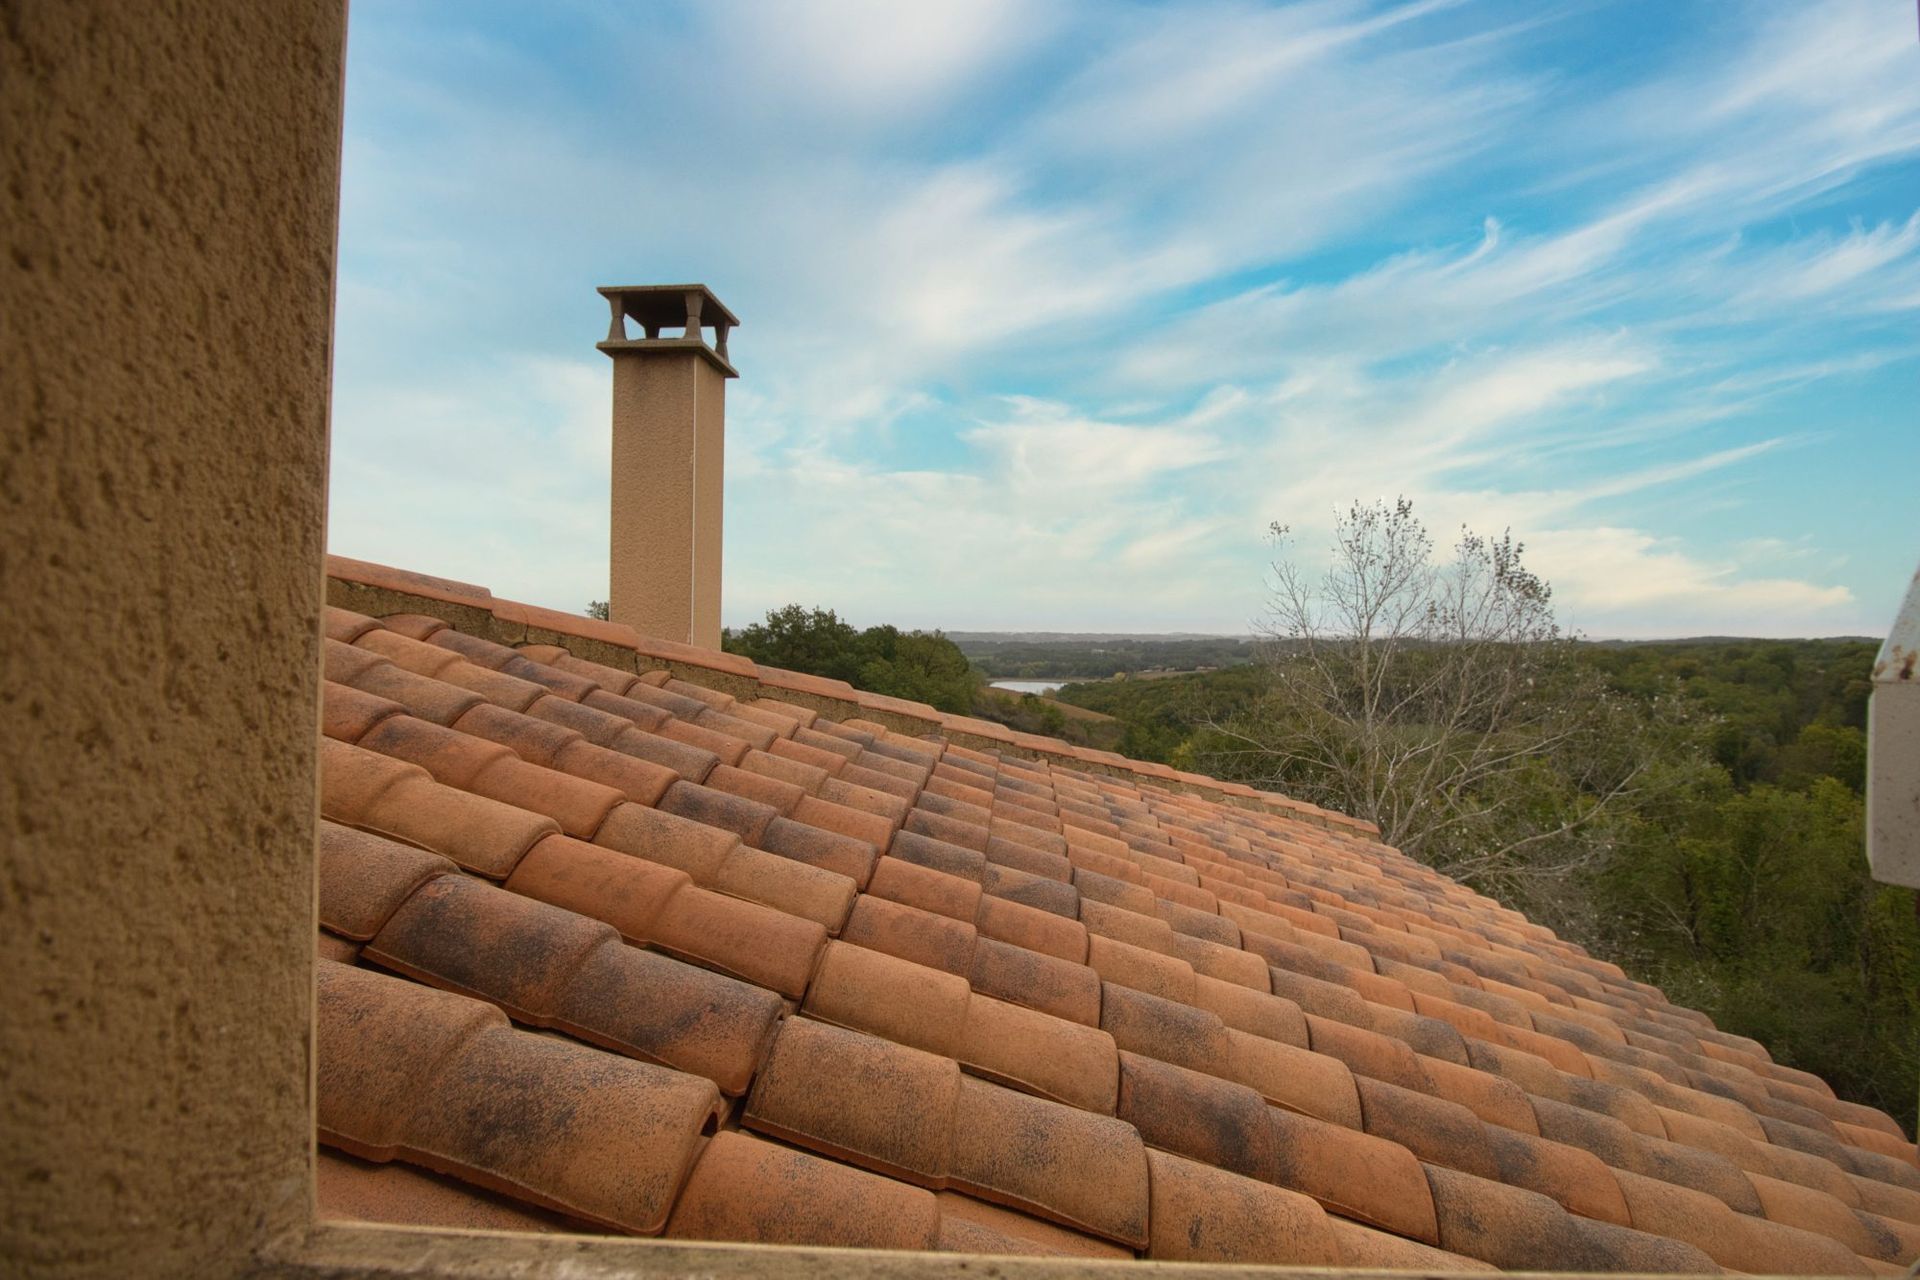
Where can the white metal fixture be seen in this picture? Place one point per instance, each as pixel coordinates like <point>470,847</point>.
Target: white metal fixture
<point>1893,751</point>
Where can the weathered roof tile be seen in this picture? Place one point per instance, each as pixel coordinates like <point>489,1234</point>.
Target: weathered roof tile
<point>1055,954</point>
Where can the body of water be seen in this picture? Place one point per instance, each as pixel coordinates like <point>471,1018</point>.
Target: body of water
<point>1028,686</point>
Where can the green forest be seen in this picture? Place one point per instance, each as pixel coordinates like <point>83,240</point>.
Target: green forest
<point>1732,875</point>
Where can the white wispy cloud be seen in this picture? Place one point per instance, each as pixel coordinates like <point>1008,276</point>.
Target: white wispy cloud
<point>1051,308</point>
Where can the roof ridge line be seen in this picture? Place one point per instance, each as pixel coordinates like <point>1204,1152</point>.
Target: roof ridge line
<point>377,589</point>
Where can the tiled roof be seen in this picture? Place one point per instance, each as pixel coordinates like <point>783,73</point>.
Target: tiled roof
<point>632,937</point>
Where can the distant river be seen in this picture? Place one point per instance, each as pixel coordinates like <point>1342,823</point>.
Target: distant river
<point>1029,686</point>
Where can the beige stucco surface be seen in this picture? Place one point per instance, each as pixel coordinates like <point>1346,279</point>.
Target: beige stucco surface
<point>169,218</point>
<point>669,410</point>
<point>357,1252</point>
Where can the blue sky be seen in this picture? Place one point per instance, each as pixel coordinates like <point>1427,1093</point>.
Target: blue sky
<point>1049,309</point>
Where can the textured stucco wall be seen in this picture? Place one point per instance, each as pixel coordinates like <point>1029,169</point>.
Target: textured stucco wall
<point>668,427</point>
<point>169,218</point>
<point>709,501</point>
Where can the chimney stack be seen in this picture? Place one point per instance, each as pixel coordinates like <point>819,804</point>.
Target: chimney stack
<point>669,431</point>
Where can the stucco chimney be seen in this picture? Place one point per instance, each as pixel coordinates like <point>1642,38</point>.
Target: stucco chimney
<point>669,431</point>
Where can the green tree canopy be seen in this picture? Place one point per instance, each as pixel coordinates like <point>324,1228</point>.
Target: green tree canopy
<point>921,666</point>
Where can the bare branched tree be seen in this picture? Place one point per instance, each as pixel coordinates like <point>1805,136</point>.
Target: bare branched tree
<point>1437,698</point>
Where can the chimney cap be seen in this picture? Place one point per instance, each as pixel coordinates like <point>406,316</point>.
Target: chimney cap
<point>691,307</point>
<point>665,305</point>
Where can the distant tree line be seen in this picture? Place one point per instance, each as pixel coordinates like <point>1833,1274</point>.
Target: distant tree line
<point>1059,659</point>
<point>922,666</point>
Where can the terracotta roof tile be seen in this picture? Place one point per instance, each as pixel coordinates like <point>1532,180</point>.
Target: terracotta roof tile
<point>439,1079</point>
<point>828,762</point>
<point>356,1190</point>
<point>883,1106</point>
<point>860,773</point>
<point>1887,1200</point>
<point>1353,1174</point>
<point>1439,1132</point>
<point>1293,1078</point>
<point>755,735</point>
<point>939,855</point>
<point>1149,933</point>
<point>1245,1009</point>
<point>417,656</point>
<point>651,1007</point>
<point>729,748</point>
<point>957,785</point>
<point>825,735</point>
<point>1428,1037</point>
<point>1257,985</point>
<point>1032,928</point>
<point>1040,1054</point>
<point>1493,1098</point>
<point>845,820</point>
<point>1203,1214</point>
<point>803,717</point>
<point>816,847</point>
<point>640,715</point>
<point>348,714</point>
<point>968,1225</point>
<point>658,906</point>
<point>1084,1171</point>
<point>1205,1118</point>
<point>1521,1230</point>
<point>807,777</point>
<point>1222,962</point>
<point>461,760</point>
<point>717,860</point>
<point>548,967</point>
<point>779,796</point>
<point>364,878</point>
<point>1113,890</point>
<point>896,761</point>
<point>550,746</point>
<point>746,818</point>
<point>899,880</point>
<point>1046,983</point>
<point>1024,857</point>
<point>427,698</point>
<point>389,797</point>
<point>873,800</point>
<point>1879,1141</point>
<point>1820,1213</point>
<point>945,806</point>
<point>925,938</point>
<point>1363,1248</point>
<point>744,1188</point>
<point>345,625</point>
<point>1168,1030</point>
<point>1129,966</point>
<point>1368,1053</point>
<point>1044,893</point>
<point>947,830</point>
<point>1737,1241</point>
<point>467,936</point>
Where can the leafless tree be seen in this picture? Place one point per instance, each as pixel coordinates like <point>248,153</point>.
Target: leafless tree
<point>1437,698</point>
